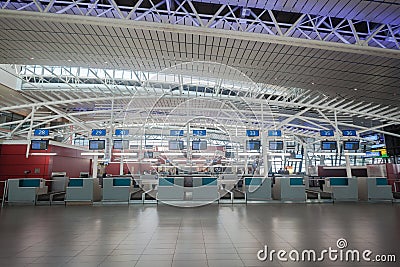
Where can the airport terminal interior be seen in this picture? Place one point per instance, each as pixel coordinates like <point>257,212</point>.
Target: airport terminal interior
<point>199,133</point>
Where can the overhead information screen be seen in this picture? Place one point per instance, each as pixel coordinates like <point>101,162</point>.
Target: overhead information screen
<point>175,145</point>
<point>351,145</point>
<point>199,145</point>
<point>253,145</point>
<point>97,144</point>
<point>41,132</point>
<point>252,133</point>
<point>39,144</point>
<point>121,144</point>
<point>349,133</point>
<point>275,145</point>
<point>99,132</point>
<point>328,145</point>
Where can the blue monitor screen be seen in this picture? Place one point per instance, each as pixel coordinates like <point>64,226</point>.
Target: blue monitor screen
<point>121,144</point>
<point>275,145</point>
<point>175,145</point>
<point>97,144</point>
<point>351,145</point>
<point>328,145</point>
<point>39,144</point>
<point>327,133</point>
<point>253,145</point>
<point>252,133</point>
<point>199,145</point>
<point>99,132</point>
<point>274,133</point>
<point>176,132</point>
<point>199,132</point>
<point>229,154</point>
<point>121,132</point>
<point>148,154</point>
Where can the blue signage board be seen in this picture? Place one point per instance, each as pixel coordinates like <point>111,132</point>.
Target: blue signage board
<point>349,133</point>
<point>41,132</point>
<point>99,132</point>
<point>274,133</point>
<point>176,132</point>
<point>327,133</point>
<point>252,133</point>
<point>121,132</point>
<point>199,132</point>
<point>372,154</point>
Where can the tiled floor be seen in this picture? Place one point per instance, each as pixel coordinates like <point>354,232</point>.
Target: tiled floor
<point>214,235</point>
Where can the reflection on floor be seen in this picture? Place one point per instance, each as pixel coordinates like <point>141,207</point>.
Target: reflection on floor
<point>213,235</point>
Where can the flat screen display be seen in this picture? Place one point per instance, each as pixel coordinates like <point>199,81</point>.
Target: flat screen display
<point>175,145</point>
<point>328,145</point>
<point>41,132</point>
<point>99,132</point>
<point>199,145</point>
<point>252,133</point>
<point>97,144</point>
<point>275,145</point>
<point>121,132</point>
<point>121,144</point>
<point>351,145</point>
<point>148,154</point>
<point>253,145</point>
<point>39,144</point>
<point>229,155</point>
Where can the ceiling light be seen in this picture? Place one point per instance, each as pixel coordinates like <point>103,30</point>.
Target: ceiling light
<point>355,89</point>
<point>32,58</point>
<point>69,60</point>
<point>312,83</point>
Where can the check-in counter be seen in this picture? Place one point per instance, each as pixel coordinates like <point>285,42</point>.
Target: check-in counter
<point>83,190</point>
<point>205,189</point>
<point>342,188</point>
<point>257,188</point>
<point>25,190</point>
<point>289,189</point>
<point>374,189</point>
<point>170,189</point>
<point>117,189</point>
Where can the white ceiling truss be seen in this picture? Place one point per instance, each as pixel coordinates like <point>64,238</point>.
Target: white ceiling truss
<point>76,100</point>
<point>231,17</point>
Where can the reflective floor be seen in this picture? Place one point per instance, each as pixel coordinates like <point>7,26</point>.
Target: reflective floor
<point>213,235</point>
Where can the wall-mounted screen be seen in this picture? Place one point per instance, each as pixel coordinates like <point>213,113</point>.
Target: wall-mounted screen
<point>175,145</point>
<point>229,155</point>
<point>121,144</point>
<point>275,145</point>
<point>148,154</point>
<point>39,144</point>
<point>97,144</point>
<point>252,133</point>
<point>199,145</point>
<point>41,132</point>
<point>351,145</point>
<point>328,145</point>
<point>253,145</point>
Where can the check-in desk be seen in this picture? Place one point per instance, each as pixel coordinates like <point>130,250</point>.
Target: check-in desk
<point>83,190</point>
<point>170,189</point>
<point>25,190</point>
<point>289,189</point>
<point>374,189</point>
<point>117,189</point>
<point>342,188</point>
<point>148,183</point>
<point>257,188</point>
<point>205,189</point>
<point>227,182</point>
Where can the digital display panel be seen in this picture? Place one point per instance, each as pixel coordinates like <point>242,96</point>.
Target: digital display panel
<point>275,145</point>
<point>199,132</point>
<point>199,145</point>
<point>326,133</point>
<point>121,144</point>
<point>175,145</point>
<point>349,133</point>
<point>120,132</point>
<point>328,145</point>
<point>274,133</point>
<point>39,144</point>
<point>176,132</point>
<point>97,144</point>
<point>351,145</point>
<point>253,145</point>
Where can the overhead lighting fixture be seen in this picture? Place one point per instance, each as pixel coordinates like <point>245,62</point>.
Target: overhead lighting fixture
<point>355,89</point>
<point>354,154</point>
<point>172,153</point>
<point>43,154</point>
<point>32,58</point>
<point>125,154</point>
<point>323,154</point>
<point>278,154</point>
